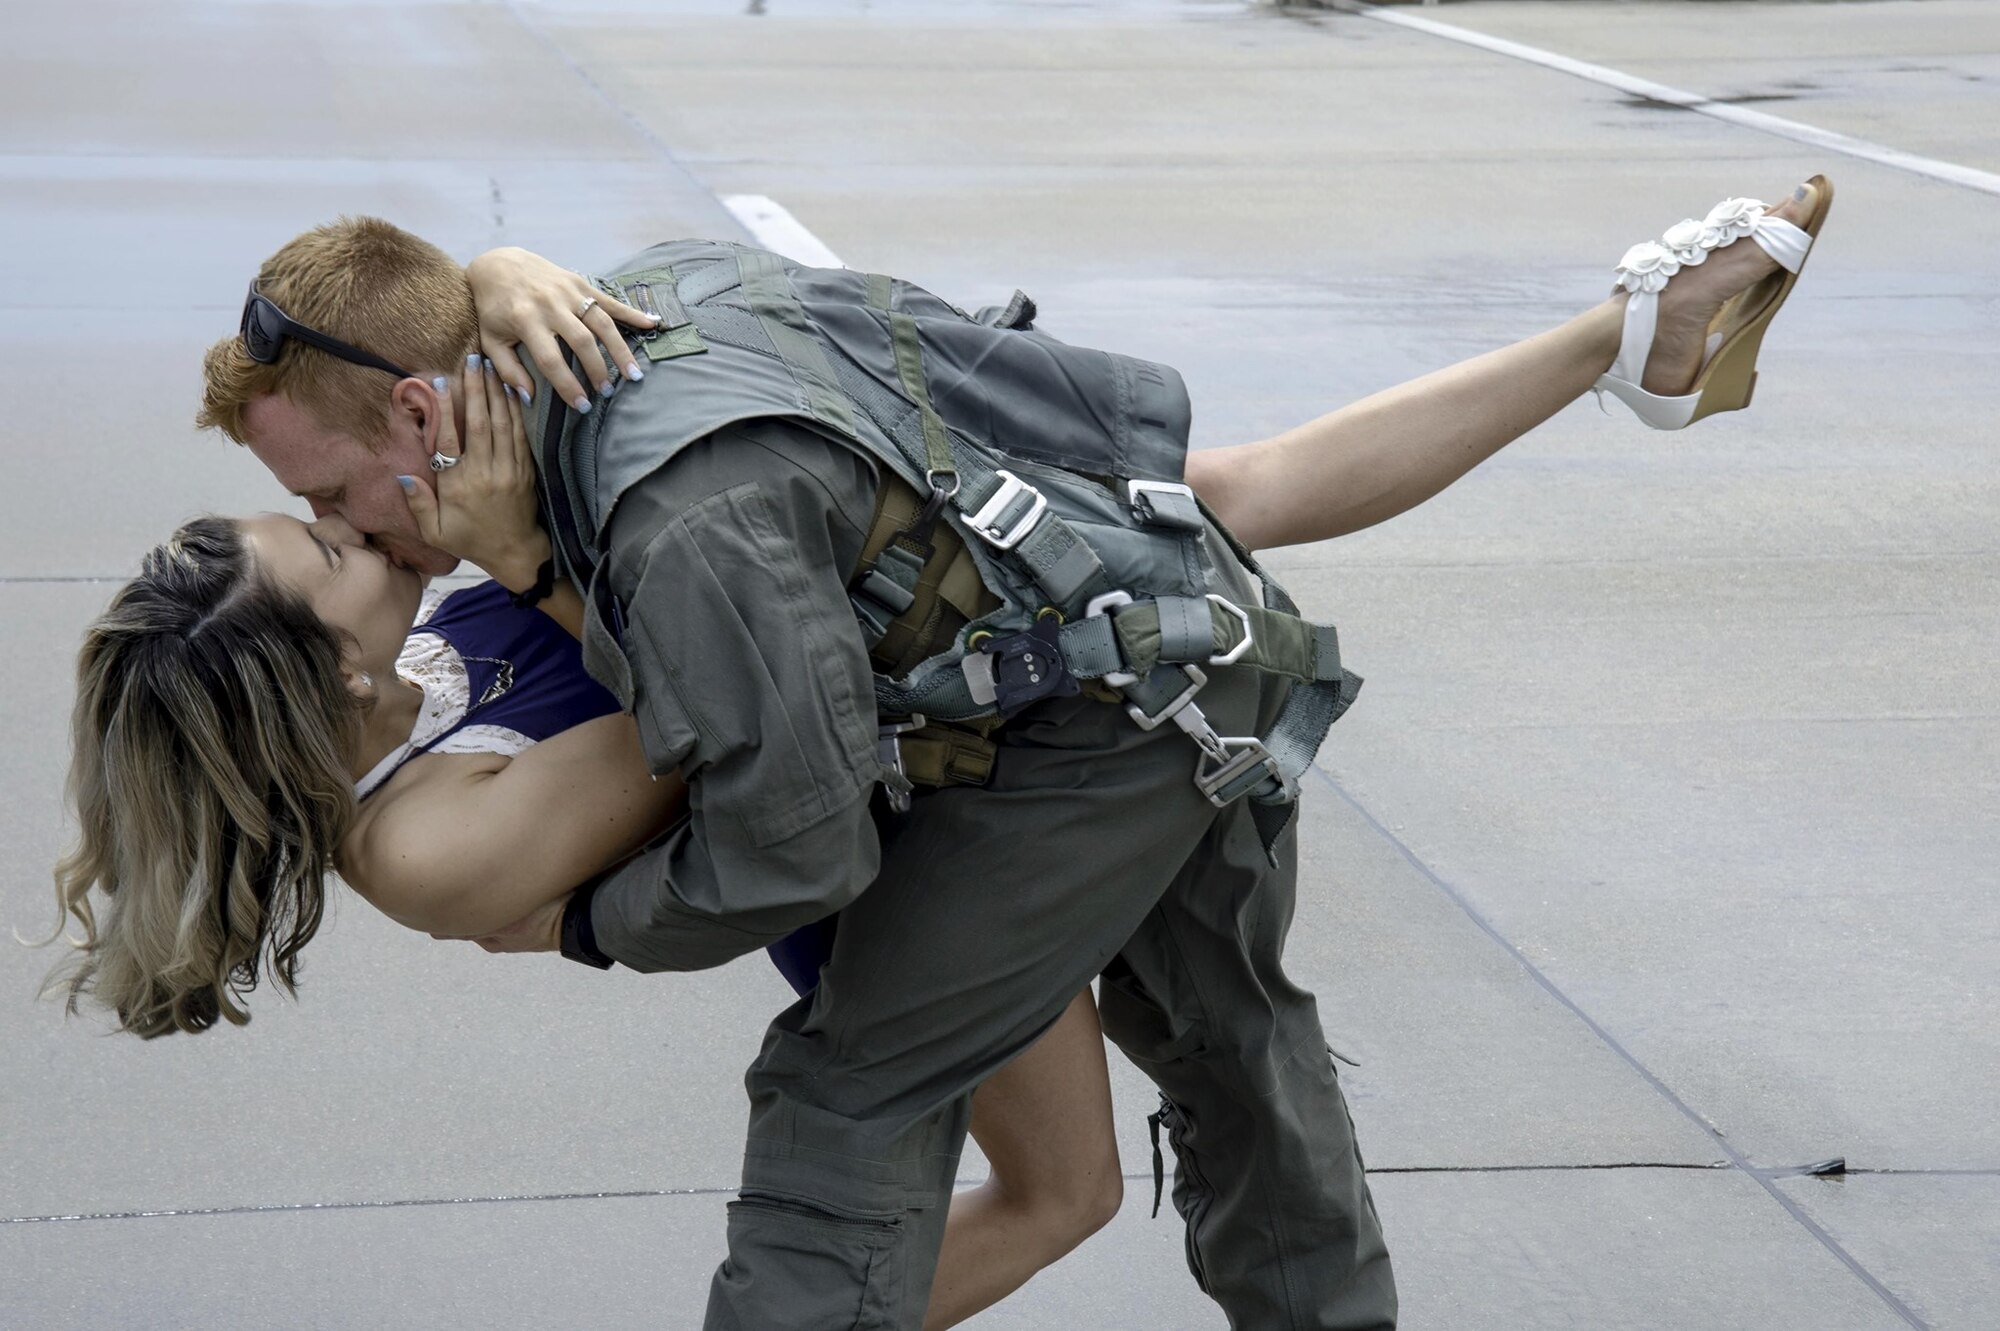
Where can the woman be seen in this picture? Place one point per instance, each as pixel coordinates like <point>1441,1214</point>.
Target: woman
<point>255,711</point>
<point>269,666</point>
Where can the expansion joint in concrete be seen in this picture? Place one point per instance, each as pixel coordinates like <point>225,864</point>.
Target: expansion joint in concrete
<point>1764,1178</point>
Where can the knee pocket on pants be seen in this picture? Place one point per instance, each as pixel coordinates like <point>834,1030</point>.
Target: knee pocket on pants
<point>787,1257</point>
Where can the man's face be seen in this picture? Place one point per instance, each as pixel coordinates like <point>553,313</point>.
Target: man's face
<point>338,474</point>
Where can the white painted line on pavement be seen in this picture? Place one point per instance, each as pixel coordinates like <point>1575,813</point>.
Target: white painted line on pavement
<point>1949,172</point>
<point>772,225</point>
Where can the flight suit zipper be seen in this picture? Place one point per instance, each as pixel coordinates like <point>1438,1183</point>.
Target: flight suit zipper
<point>1178,1124</point>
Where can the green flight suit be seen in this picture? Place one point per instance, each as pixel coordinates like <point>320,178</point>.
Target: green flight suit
<point>969,922</point>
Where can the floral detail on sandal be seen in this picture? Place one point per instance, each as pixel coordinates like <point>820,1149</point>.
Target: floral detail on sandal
<point>1646,267</point>
<point>1684,238</point>
<point>1730,221</point>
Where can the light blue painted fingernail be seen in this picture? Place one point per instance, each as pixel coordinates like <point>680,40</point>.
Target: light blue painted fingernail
<point>583,403</point>
<point>508,389</point>
<point>634,373</point>
<point>486,364</point>
<point>441,386</point>
<point>409,484</point>
<point>472,361</point>
<point>607,389</point>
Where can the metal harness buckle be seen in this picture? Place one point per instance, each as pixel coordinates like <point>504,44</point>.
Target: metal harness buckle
<point>1104,604</point>
<point>988,521</point>
<point>1231,767</point>
<point>896,783</point>
<point>1234,654</point>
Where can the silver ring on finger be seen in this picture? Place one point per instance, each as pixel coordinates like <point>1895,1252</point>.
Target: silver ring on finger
<point>589,304</point>
<point>439,462</point>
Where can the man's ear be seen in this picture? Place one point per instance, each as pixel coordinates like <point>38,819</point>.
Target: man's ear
<point>415,407</point>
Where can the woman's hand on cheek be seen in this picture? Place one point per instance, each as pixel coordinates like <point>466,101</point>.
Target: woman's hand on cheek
<point>484,507</point>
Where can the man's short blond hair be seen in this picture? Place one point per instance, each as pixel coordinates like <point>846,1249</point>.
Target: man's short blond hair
<point>369,283</point>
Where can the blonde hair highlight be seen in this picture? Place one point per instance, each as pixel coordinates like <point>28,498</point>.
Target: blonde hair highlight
<point>209,775</point>
<point>369,283</point>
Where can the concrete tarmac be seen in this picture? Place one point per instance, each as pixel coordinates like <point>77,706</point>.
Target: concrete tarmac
<point>1656,864</point>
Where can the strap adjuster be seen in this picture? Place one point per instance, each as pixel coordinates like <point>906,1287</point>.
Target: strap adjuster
<point>1179,709</point>
<point>1164,504</point>
<point>1104,604</point>
<point>991,521</point>
<point>1232,767</point>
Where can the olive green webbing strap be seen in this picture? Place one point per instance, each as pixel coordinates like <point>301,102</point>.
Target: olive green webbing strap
<point>769,293</point>
<point>1300,728</point>
<point>888,585</point>
<point>1310,708</point>
<point>938,462</point>
<point>1173,630</point>
<point>936,755</point>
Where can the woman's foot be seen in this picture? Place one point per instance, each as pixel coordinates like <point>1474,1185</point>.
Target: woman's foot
<point>1692,303</point>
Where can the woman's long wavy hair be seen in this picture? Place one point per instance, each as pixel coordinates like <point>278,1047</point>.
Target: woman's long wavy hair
<point>209,774</point>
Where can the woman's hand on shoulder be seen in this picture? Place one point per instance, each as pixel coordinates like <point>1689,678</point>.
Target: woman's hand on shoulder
<point>524,302</point>
<point>485,508</point>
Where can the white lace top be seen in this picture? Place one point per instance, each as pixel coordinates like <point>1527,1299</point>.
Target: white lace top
<point>434,666</point>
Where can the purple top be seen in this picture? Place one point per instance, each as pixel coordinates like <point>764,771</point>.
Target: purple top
<point>525,673</point>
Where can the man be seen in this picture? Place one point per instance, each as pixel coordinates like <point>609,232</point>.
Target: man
<point>722,613</point>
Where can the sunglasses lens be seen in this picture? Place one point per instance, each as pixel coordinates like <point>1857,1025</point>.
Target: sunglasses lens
<point>263,333</point>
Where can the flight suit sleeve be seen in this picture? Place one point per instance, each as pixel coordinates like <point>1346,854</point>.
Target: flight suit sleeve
<point>749,674</point>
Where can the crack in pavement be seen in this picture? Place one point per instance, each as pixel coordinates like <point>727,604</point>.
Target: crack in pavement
<point>392,1203</point>
<point>1764,1178</point>
<point>399,1202</point>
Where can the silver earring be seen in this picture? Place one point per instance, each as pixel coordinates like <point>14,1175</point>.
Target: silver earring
<point>367,680</point>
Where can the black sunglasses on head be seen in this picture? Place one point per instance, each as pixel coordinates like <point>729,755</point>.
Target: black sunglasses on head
<point>265,328</point>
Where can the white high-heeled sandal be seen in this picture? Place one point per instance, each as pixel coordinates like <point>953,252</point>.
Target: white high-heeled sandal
<point>1729,364</point>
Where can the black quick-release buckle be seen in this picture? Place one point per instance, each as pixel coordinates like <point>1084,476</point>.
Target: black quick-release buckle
<point>1028,667</point>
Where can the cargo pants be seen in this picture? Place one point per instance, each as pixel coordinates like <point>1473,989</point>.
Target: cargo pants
<point>1089,852</point>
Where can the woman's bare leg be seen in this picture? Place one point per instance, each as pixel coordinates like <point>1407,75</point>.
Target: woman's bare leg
<point>1044,1122</point>
<point>1390,451</point>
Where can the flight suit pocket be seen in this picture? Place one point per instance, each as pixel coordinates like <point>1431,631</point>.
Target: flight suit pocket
<point>786,1257</point>
<point>738,667</point>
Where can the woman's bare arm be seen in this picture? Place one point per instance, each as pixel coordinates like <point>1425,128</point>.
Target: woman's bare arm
<point>1391,451</point>
<point>464,845</point>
